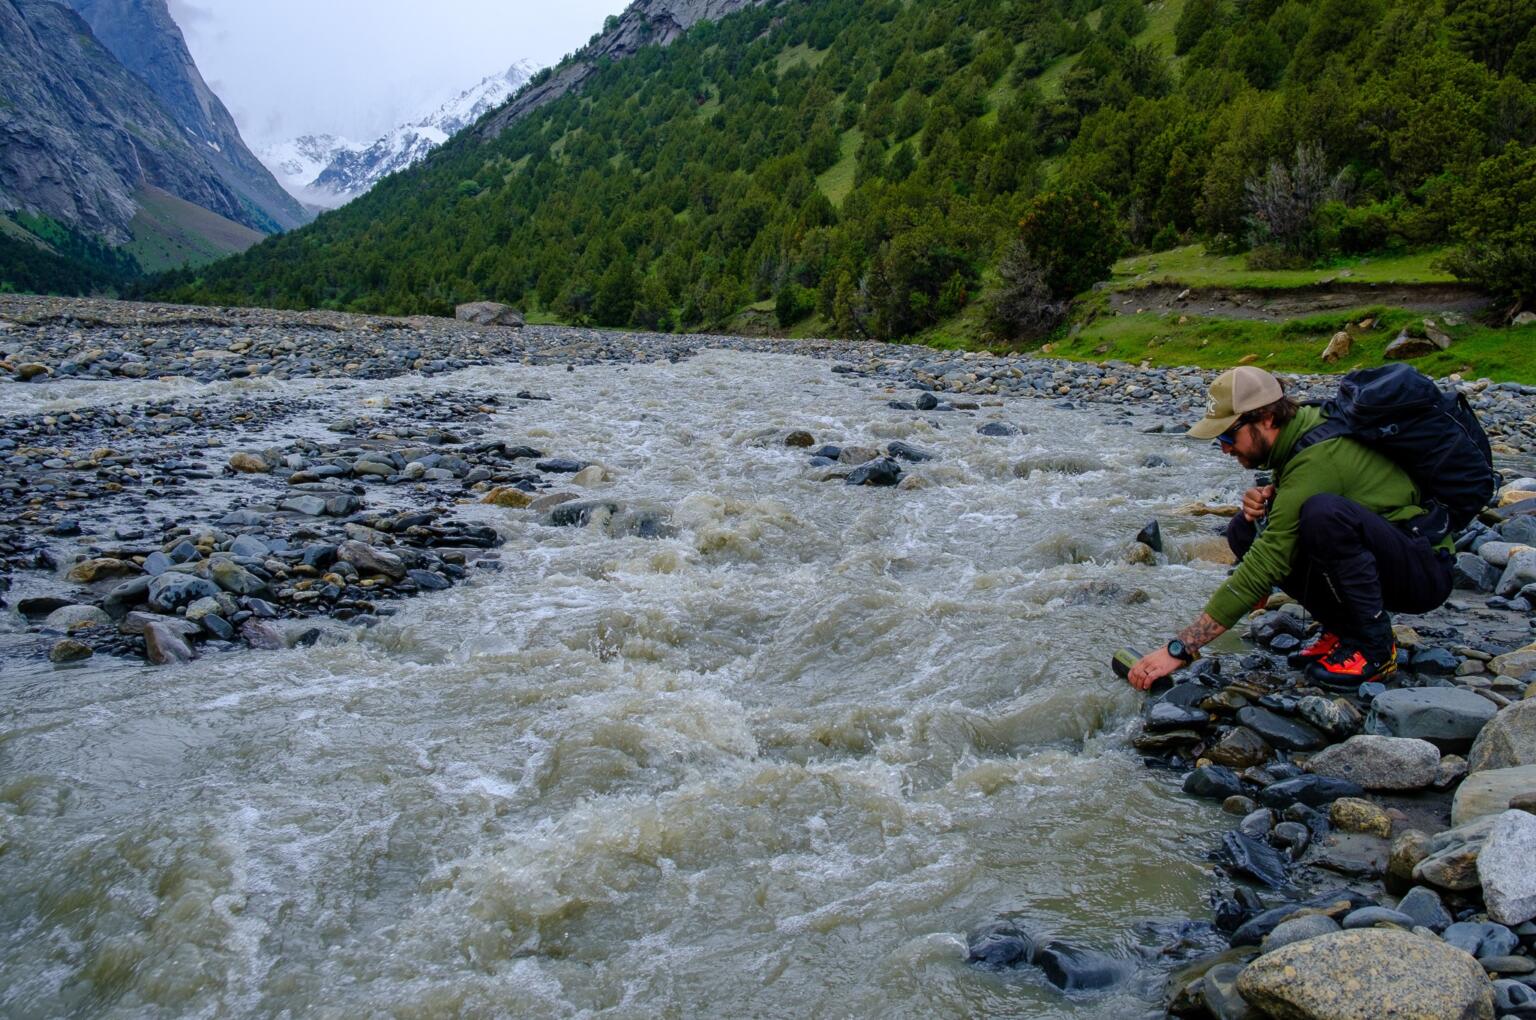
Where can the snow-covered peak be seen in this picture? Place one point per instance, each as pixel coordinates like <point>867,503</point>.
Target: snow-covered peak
<point>329,171</point>
<point>473,103</point>
<point>299,160</point>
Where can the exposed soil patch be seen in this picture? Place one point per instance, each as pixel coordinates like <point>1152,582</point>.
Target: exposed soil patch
<point>1279,305</point>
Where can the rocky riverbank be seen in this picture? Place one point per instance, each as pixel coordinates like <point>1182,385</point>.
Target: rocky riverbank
<point>183,525</point>
<point>1383,856</point>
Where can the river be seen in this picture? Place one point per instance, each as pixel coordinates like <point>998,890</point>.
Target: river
<point>776,764</point>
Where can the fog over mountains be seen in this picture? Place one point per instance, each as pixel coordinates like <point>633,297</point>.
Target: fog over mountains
<point>328,170</point>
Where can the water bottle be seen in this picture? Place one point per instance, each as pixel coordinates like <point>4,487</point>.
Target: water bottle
<point>1123,661</point>
<point>1261,480</point>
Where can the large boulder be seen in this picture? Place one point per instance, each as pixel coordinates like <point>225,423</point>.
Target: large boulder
<point>1379,763</point>
<point>489,313</point>
<point>1508,740</point>
<point>1448,717</point>
<point>1489,792</point>
<point>1368,974</point>
<point>1505,868</point>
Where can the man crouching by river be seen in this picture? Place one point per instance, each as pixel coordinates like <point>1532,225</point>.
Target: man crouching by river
<point>1334,531</point>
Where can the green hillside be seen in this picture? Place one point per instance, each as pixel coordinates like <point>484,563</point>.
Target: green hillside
<point>169,232</point>
<point>42,256</point>
<point>954,168</point>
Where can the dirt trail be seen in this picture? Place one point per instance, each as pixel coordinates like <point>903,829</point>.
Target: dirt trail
<point>1295,302</point>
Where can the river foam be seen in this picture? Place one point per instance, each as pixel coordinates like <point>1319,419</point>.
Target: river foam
<point>775,762</point>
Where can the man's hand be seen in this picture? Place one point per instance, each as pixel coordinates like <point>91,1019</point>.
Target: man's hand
<point>1256,501</point>
<point>1153,667</point>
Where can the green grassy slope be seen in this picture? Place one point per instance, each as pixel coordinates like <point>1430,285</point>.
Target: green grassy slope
<point>1296,345</point>
<point>858,166</point>
<point>1191,266</point>
<point>169,232</point>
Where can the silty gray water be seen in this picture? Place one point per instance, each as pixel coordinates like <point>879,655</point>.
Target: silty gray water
<point>776,764</point>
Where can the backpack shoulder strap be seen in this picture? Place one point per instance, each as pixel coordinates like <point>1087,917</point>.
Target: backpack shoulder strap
<point>1332,428</point>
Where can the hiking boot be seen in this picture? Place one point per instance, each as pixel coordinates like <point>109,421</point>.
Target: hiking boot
<point>1351,664</point>
<point>1314,650</point>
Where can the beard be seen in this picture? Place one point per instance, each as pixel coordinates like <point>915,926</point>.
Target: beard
<point>1261,451</point>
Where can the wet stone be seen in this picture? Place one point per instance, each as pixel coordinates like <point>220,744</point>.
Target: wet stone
<point>69,650</point>
<point>1313,791</point>
<point>371,560</point>
<point>1423,906</point>
<point>1293,837</point>
<point>426,580</point>
<point>218,627</point>
<point>1277,730</point>
<point>567,466</point>
<point>1252,859</point>
<point>1481,938</point>
<point>1239,805</point>
<point>310,506</point>
<point>76,616</point>
<point>1240,748</point>
<point>1165,716</point>
<point>171,591</point>
<point>577,513</point>
<point>164,646</point>
<point>1213,782</point>
<point>882,472</point>
<point>1335,717</point>
<point>1371,917</point>
<point>1297,930</point>
<point>1257,824</point>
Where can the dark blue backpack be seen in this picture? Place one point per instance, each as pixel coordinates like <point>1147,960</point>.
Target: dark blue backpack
<point>1433,435</point>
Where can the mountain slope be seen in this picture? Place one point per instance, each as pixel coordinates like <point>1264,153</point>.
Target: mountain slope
<point>148,42</point>
<point>330,171</point>
<point>864,165</point>
<point>80,137</point>
<point>643,24</point>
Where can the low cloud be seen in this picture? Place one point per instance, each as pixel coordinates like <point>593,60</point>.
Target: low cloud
<point>189,15</point>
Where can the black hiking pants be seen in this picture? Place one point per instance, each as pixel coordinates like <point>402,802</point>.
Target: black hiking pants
<point>1352,563</point>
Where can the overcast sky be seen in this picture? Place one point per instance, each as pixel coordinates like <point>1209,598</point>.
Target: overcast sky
<point>358,67</point>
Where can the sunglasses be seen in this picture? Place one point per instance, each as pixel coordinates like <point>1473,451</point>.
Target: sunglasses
<point>1229,437</point>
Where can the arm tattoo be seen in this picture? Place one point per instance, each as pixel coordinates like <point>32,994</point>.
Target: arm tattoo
<point>1202,632</point>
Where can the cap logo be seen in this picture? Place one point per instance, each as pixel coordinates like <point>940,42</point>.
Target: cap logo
<point>1210,408</point>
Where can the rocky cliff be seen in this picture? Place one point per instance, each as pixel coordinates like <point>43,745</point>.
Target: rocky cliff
<point>80,136</point>
<point>145,39</point>
<point>643,23</point>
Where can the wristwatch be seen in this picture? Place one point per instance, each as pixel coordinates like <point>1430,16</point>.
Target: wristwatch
<point>1177,649</point>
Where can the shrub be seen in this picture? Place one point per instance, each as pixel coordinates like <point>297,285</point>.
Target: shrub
<point>1024,307</point>
<point>1073,237</point>
<point>793,303</point>
<point>1495,227</point>
<point>1283,204</point>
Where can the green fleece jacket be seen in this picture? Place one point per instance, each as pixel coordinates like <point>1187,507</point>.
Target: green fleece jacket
<point>1343,466</point>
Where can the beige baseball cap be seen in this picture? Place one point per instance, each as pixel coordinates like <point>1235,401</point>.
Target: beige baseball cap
<point>1235,392</point>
